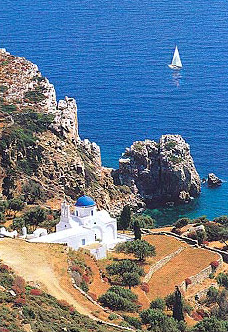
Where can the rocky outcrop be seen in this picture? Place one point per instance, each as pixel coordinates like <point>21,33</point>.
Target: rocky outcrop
<point>40,145</point>
<point>65,121</point>
<point>160,172</point>
<point>213,181</point>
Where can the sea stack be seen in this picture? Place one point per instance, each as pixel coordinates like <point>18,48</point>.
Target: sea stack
<point>162,172</point>
<point>213,181</point>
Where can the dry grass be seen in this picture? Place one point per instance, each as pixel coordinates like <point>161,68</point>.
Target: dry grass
<point>189,262</point>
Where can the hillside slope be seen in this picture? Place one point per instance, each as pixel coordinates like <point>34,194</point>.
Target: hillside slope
<point>40,146</point>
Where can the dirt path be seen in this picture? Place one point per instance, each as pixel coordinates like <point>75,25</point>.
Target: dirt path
<point>46,265</point>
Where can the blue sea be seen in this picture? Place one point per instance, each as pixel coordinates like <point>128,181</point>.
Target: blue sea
<point>112,57</point>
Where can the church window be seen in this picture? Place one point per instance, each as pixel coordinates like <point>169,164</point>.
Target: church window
<point>92,213</point>
<point>95,237</point>
<point>77,213</point>
<point>83,242</point>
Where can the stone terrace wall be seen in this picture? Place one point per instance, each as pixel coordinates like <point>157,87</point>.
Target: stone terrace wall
<point>199,277</point>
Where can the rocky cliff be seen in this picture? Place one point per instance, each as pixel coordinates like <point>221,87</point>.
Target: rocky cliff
<point>40,147</point>
<point>161,172</point>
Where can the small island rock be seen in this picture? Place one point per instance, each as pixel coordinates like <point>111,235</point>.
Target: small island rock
<point>213,181</point>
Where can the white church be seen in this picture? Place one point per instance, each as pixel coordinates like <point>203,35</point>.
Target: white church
<point>86,227</point>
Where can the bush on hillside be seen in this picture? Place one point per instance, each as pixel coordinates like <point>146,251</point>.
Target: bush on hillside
<point>158,303</point>
<point>115,302</point>
<point>123,292</point>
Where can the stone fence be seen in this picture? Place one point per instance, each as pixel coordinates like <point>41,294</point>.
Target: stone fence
<point>160,264</point>
<point>199,277</point>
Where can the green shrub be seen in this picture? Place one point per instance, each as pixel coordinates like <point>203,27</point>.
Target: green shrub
<point>6,280</point>
<point>124,266</point>
<point>84,286</point>
<point>133,321</point>
<point>8,108</point>
<point>123,292</point>
<point>3,88</point>
<point>158,303</point>
<point>116,302</point>
<point>35,96</point>
<point>28,313</point>
<point>212,295</point>
<point>170,145</point>
<point>222,279</point>
<point>182,222</point>
<point>112,316</point>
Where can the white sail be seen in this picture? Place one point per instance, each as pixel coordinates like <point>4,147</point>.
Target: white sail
<point>176,62</point>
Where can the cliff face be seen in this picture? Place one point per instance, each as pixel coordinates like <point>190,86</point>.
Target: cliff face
<point>40,147</point>
<point>160,172</point>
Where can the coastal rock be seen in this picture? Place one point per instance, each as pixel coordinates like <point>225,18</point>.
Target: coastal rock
<point>40,145</point>
<point>163,172</point>
<point>65,121</point>
<point>213,181</point>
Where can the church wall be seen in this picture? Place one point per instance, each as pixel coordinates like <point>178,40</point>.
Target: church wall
<point>76,241</point>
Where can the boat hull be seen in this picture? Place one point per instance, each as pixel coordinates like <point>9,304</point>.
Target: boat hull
<point>175,67</point>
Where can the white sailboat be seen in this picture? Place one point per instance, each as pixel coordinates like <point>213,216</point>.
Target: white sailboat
<point>176,62</point>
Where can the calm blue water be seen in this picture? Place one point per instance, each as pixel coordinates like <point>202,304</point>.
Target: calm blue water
<point>112,57</point>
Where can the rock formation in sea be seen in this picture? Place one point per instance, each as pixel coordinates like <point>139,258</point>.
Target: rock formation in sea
<point>213,181</point>
<point>40,147</point>
<point>161,172</point>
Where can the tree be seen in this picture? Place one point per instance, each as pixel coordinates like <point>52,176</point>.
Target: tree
<point>35,217</point>
<point>139,248</point>
<point>200,220</point>
<point>213,231</point>
<point>32,192</point>
<point>123,292</point>
<point>224,235</point>
<point>178,305</point>
<point>130,279</point>
<point>127,271</point>
<point>16,204</point>
<point>158,303</point>
<point>182,222</point>
<point>222,301</point>
<point>124,266</point>
<point>222,279</point>
<point>125,218</point>
<point>3,206</point>
<point>200,236</point>
<point>212,295</point>
<point>137,230</point>
<point>221,220</point>
<point>8,185</point>
<point>211,324</point>
<point>117,302</point>
<point>17,224</point>
<point>2,218</point>
<point>158,321</point>
<point>144,221</point>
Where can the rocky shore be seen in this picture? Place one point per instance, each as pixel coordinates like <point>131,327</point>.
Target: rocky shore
<point>161,172</point>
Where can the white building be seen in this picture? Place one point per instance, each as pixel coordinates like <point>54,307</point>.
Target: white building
<point>85,227</point>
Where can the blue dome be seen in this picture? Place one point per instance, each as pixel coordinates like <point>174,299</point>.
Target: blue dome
<point>85,201</point>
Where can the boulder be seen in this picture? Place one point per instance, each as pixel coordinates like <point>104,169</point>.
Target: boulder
<point>213,181</point>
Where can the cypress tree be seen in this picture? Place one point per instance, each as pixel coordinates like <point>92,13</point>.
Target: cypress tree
<point>137,230</point>
<point>125,217</point>
<point>178,305</point>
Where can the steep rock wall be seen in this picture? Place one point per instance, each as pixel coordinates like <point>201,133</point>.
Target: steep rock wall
<point>162,172</point>
<point>40,143</point>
